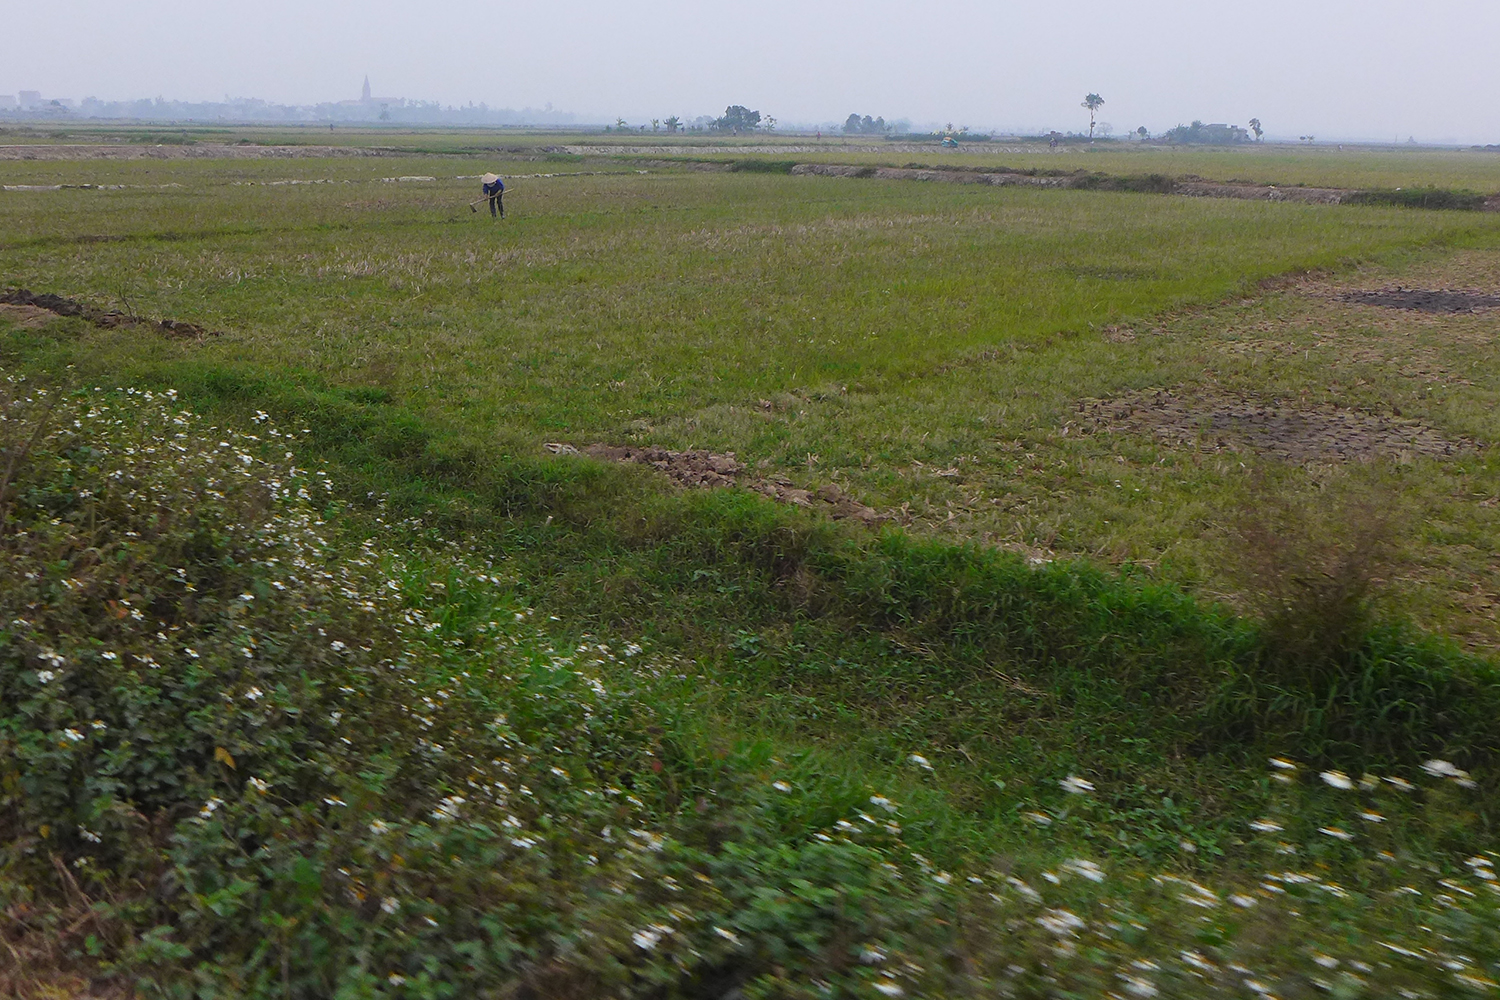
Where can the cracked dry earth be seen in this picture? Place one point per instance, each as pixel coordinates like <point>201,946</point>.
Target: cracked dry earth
<point>1296,434</point>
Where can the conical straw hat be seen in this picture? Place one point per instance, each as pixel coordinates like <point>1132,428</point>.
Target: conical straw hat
<point>490,178</point>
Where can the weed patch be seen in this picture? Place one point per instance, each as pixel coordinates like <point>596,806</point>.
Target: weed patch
<point>1418,197</point>
<point>243,750</point>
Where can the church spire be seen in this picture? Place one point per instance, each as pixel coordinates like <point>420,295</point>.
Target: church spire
<point>364,95</point>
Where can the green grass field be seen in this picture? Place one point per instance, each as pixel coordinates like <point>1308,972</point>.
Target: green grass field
<point>1054,593</point>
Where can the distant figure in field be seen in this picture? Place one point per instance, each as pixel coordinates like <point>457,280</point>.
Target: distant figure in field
<point>494,190</point>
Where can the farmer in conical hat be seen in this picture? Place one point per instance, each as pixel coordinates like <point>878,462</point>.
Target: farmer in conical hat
<point>494,189</point>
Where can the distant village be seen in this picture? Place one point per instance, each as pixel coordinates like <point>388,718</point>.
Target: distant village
<point>30,105</point>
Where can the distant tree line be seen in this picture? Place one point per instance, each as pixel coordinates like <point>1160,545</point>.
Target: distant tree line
<point>736,119</point>
<point>1209,135</point>
<point>855,125</point>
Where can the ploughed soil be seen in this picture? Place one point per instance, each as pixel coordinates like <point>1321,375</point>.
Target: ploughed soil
<point>707,470</point>
<point>1295,434</point>
<point>1424,300</point>
<point>29,307</point>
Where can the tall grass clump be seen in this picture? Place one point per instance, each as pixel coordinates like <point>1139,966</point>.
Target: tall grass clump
<point>1330,672</point>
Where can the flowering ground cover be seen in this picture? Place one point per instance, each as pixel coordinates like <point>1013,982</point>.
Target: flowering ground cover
<point>277,716</point>
<point>249,751</point>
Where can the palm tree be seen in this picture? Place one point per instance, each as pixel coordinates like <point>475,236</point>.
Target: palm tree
<point>1255,127</point>
<point>655,124</point>
<point>1093,102</point>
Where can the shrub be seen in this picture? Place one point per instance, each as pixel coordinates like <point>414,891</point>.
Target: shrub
<point>762,166</point>
<point>1428,197</point>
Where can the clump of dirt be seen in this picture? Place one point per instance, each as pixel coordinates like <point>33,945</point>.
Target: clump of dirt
<point>1299,435</point>
<point>701,469</point>
<point>1424,300</point>
<point>707,470</point>
<point>34,303</point>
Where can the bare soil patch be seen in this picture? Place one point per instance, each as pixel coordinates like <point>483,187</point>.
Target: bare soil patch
<point>1294,434</point>
<point>708,470</point>
<point>1438,300</point>
<point>56,305</point>
<point>27,317</point>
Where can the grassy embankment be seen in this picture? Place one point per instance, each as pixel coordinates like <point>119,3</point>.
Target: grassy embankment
<point>431,360</point>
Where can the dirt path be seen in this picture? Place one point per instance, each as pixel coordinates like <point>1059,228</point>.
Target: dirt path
<point>1098,182</point>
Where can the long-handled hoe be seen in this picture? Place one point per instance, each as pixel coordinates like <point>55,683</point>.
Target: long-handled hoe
<point>474,205</point>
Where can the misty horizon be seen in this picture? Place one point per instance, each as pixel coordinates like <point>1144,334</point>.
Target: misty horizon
<point>1377,71</point>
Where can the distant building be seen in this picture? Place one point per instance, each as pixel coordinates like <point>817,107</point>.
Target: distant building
<point>366,100</point>
<point>30,99</point>
<point>8,102</point>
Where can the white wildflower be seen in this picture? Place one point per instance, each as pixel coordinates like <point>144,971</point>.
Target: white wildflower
<point>1062,923</point>
<point>1282,764</point>
<point>447,809</point>
<point>1026,891</point>
<point>1400,784</point>
<point>727,935</point>
<point>72,735</point>
<point>210,807</point>
<point>396,979</point>
<point>1338,779</point>
<point>872,956</point>
<point>1137,987</point>
<point>883,802</point>
<point>920,761</point>
<point>1371,817</point>
<point>1336,832</point>
<point>648,938</point>
<point>1265,826</point>
<point>1040,819</point>
<point>380,828</point>
<point>1243,902</point>
<point>254,694</point>
<point>781,786</point>
<point>1075,785</point>
<point>888,987</point>
<point>390,904</point>
<point>260,786</point>
<point>45,676</point>
<point>1086,869</point>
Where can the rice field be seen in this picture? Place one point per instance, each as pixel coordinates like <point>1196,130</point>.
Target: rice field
<point>1035,683</point>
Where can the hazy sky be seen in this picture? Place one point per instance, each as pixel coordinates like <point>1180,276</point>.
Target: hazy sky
<point>1337,68</point>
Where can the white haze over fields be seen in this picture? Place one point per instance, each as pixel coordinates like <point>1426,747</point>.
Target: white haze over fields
<point>1339,69</point>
